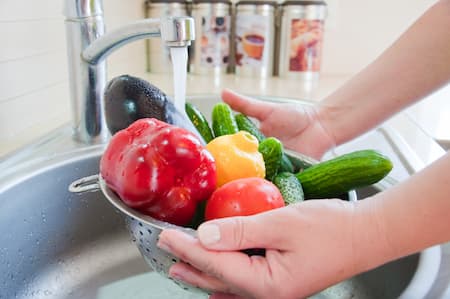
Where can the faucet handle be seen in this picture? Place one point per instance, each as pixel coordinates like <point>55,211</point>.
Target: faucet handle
<point>178,31</point>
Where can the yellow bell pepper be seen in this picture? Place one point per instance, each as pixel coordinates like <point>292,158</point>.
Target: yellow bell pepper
<point>236,157</point>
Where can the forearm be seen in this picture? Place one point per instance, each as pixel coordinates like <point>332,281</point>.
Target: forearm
<point>408,217</point>
<point>414,66</point>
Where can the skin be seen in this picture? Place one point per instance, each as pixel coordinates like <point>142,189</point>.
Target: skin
<point>331,240</point>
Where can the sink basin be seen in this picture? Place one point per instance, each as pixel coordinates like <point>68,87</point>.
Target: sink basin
<point>55,244</point>
<point>61,245</point>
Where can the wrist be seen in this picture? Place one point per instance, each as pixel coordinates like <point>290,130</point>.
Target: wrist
<point>321,126</point>
<point>328,116</point>
<point>371,242</point>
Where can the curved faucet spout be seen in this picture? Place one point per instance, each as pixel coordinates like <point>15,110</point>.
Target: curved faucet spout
<point>176,32</point>
<point>88,48</point>
<point>106,44</point>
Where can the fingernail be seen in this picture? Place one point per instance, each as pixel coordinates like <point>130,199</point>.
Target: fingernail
<point>176,274</point>
<point>209,234</point>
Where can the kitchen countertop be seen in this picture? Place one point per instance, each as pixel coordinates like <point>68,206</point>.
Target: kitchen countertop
<point>425,119</point>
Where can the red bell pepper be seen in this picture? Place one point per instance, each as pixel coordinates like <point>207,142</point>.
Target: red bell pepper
<point>159,169</point>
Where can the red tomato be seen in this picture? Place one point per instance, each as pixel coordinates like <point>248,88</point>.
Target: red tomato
<point>243,197</point>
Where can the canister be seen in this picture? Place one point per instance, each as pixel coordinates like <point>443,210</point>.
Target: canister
<point>254,38</point>
<point>210,53</point>
<point>301,38</point>
<point>158,54</point>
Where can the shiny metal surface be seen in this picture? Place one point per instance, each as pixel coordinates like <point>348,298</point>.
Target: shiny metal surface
<point>61,245</point>
<point>157,52</point>
<point>55,244</point>
<point>144,230</point>
<point>263,17</point>
<point>88,46</point>
<point>82,8</point>
<point>178,31</point>
<point>86,81</point>
<point>291,11</point>
<point>212,54</point>
<point>174,31</point>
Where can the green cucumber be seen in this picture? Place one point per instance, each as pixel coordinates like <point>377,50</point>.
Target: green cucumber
<point>286,164</point>
<point>244,123</point>
<point>223,122</point>
<point>199,121</point>
<point>341,174</point>
<point>272,152</point>
<point>290,187</point>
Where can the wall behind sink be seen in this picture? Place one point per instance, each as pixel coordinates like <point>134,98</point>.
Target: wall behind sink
<point>358,31</point>
<point>33,76</point>
<point>33,67</point>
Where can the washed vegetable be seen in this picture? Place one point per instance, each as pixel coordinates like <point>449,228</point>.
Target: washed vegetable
<point>290,187</point>
<point>236,156</point>
<point>243,197</point>
<point>223,122</point>
<point>199,121</point>
<point>286,164</point>
<point>129,98</point>
<point>272,151</point>
<point>162,170</point>
<point>246,124</point>
<point>339,175</point>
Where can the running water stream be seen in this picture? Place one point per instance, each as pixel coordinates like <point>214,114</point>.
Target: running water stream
<point>179,57</point>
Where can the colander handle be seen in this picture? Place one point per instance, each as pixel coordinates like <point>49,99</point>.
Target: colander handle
<point>86,184</point>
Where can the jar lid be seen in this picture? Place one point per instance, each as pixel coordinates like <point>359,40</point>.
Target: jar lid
<point>211,1</point>
<point>256,2</point>
<point>303,2</point>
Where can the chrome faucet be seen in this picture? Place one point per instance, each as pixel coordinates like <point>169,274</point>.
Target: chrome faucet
<point>88,46</point>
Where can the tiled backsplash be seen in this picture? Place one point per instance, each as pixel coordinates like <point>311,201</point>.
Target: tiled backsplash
<point>33,67</point>
<point>33,76</point>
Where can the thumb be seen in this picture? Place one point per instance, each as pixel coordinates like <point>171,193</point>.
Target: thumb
<point>246,105</point>
<point>264,230</point>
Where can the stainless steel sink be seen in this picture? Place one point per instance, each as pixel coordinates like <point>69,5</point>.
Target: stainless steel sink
<point>55,244</point>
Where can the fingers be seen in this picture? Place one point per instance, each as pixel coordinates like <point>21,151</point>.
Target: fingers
<point>246,105</point>
<point>220,265</point>
<point>264,230</point>
<point>194,277</point>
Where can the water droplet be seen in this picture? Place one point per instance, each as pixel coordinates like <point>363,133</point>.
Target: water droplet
<point>43,217</point>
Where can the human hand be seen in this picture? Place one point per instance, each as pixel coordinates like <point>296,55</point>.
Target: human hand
<point>309,246</point>
<point>297,126</point>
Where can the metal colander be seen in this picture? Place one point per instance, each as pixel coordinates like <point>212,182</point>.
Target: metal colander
<point>145,230</point>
